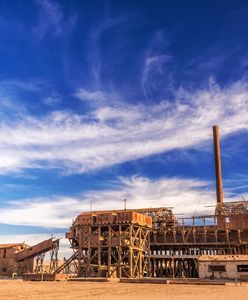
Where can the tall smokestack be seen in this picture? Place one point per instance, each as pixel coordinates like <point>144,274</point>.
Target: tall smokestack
<point>217,159</point>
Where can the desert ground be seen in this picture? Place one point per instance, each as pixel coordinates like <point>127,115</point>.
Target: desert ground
<point>20,290</point>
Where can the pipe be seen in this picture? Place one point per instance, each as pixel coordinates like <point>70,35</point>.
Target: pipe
<point>217,159</point>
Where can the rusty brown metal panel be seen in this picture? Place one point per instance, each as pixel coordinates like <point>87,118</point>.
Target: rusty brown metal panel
<point>133,217</point>
<point>85,219</point>
<point>36,249</point>
<point>106,218</point>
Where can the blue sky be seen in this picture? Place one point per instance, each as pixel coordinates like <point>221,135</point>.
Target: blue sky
<point>107,100</point>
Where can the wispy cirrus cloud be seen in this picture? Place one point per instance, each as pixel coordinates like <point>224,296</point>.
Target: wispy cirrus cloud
<point>120,132</point>
<point>156,59</point>
<point>139,191</point>
<point>17,97</point>
<point>52,210</point>
<point>27,85</point>
<point>94,51</point>
<point>51,20</point>
<point>188,196</point>
<point>217,58</point>
<point>98,96</point>
<point>52,100</point>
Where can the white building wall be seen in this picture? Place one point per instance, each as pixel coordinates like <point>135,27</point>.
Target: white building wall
<point>230,273</point>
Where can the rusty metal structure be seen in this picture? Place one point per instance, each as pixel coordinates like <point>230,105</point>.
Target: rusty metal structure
<point>110,243</point>
<point>20,258</point>
<point>217,160</point>
<point>175,249</point>
<point>37,254</point>
<point>153,241</point>
<point>8,262</point>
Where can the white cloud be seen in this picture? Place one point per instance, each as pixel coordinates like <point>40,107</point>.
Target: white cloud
<point>51,100</point>
<point>183,194</point>
<point>187,197</point>
<point>116,133</point>
<point>153,63</point>
<point>45,212</point>
<point>51,20</point>
<point>16,84</point>
<point>120,113</point>
<point>94,53</point>
<point>94,95</point>
<point>156,65</point>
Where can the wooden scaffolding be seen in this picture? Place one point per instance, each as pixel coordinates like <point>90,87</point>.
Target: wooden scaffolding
<point>111,246</point>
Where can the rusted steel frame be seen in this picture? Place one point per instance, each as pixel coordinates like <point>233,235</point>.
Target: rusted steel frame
<point>131,251</point>
<point>37,249</point>
<point>39,263</point>
<point>88,234</point>
<point>131,248</point>
<point>67,262</point>
<point>54,257</point>
<point>99,250</point>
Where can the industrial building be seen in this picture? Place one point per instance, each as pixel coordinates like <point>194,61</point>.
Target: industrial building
<point>8,262</point>
<point>148,242</point>
<point>223,267</point>
<point>153,242</point>
<point>111,244</point>
<point>20,258</point>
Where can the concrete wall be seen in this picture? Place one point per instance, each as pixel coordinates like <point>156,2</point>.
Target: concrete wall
<point>231,270</point>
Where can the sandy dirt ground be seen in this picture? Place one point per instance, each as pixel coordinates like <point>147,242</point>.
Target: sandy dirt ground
<point>20,290</point>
